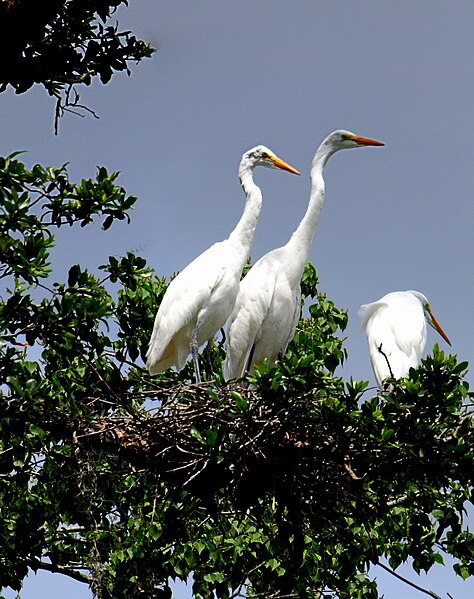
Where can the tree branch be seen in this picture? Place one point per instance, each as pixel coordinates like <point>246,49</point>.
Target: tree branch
<point>405,580</point>
<point>58,569</point>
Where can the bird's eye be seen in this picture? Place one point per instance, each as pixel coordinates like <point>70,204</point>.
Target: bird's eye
<point>265,155</point>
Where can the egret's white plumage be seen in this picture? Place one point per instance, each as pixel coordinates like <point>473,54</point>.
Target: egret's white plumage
<point>268,305</point>
<point>395,326</point>
<point>200,298</point>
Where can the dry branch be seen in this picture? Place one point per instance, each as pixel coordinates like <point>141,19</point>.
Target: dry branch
<point>203,439</point>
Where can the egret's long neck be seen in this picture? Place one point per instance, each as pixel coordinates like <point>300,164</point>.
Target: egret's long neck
<point>302,238</point>
<point>242,235</point>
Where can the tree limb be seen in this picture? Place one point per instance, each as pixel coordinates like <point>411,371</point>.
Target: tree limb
<point>405,580</point>
<point>58,569</point>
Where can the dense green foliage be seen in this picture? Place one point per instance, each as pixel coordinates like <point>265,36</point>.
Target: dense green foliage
<point>294,485</point>
<point>63,44</point>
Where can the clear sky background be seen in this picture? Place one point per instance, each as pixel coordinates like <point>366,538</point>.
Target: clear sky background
<point>230,75</point>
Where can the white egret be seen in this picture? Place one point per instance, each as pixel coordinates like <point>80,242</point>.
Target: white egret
<point>268,305</point>
<point>200,298</point>
<point>395,326</point>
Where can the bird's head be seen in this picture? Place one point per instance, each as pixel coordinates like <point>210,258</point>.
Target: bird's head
<point>262,156</point>
<point>342,140</point>
<point>430,317</point>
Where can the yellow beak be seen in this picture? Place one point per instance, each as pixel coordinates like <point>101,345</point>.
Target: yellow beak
<point>279,163</point>
<point>366,141</point>
<point>438,327</point>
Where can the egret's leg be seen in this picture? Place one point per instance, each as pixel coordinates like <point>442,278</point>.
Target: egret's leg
<point>249,361</point>
<point>195,351</point>
<point>207,359</point>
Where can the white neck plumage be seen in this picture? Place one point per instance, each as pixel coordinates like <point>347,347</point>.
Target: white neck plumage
<point>302,238</point>
<point>243,233</point>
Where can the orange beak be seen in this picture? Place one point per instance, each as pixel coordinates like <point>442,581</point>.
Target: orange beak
<point>279,163</point>
<point>366,141</point>
<point>438,327</point>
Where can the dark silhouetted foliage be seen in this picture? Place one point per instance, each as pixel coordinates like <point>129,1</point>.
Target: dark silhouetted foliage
<point>63,44</point>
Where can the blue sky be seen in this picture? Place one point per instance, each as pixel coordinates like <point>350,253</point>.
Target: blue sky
<point>228,76</point>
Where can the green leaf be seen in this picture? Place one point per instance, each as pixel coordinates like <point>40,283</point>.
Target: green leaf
<point>240,402</point>
<point>211,438</point>
<point>197,435</point>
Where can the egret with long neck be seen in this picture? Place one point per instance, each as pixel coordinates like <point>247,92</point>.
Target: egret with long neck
<point>200,298</point>
<point>268,304</point>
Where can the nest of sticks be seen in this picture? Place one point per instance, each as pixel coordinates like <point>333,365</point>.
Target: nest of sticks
<point>205,439</point>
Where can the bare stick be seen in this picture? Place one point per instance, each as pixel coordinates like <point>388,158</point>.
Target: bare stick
<point>412,584</point>
<point>386,359</point>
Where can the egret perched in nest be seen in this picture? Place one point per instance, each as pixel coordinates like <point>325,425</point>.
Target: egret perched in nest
<point>200,298</point>
<point>395,326</point>
<point>268,305</point>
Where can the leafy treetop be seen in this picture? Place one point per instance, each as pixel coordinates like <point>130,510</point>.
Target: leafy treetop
<point>291,483</point>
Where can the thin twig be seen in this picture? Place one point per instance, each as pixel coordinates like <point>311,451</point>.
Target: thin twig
<point>412,584</point>
<point>386,359</point>
<point>347,466</point>
<point>398,501</point>
<point>196,473</point>
<point>67,105</point>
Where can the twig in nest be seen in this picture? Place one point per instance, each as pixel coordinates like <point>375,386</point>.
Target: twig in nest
<point>351,472</point>
<point>386,359</point>
<point>197,473</point>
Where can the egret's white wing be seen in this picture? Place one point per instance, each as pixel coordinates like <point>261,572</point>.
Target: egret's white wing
<point>396,334</point>
<point>250,310</point>
<point>187,294</point>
